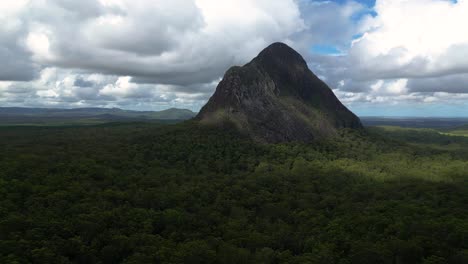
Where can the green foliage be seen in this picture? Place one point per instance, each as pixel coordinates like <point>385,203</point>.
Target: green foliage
<point>458,131</point>
<point>146,193</point>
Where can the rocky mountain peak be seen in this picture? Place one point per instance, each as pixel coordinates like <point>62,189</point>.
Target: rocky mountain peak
<point>279,54</point>
<point>276,98</point>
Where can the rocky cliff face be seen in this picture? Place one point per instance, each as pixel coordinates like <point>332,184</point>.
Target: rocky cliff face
<point>276,98</point>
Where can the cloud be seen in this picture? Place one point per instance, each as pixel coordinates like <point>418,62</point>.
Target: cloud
<point>406,53</point>
<point>80,82</point>
<point>170,51</point>
<point>151,54</point>
<point>185,44</point>
<point>412,39</point>
<point>16,63</point>
<point>329,23</point>
<point>456,83</point>
<point>166,42</point>
<point>65,88</point>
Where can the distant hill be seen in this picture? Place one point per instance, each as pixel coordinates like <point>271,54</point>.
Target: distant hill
<point>276,98</point>
<point>464,127</point>
<point>56,116</point>
<point>417,122</point>
<point>458,131</point>
<point>172,114</point>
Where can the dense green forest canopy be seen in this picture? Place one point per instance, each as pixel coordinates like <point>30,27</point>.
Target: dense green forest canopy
<point>152,193</point>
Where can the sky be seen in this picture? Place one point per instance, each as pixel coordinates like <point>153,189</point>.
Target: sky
<point>381,58</point>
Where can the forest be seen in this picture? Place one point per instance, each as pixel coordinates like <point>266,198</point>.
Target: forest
<point>152,193</point>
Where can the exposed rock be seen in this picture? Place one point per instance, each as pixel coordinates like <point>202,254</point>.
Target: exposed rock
<point>276,98</point>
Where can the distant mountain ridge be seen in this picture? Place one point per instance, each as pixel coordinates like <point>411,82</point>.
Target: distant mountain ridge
<point>276,98</point>
<point>78,116</point>
<point>416,122</point>
<point>171,113</point>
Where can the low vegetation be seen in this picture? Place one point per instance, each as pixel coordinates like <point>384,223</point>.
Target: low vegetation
<point>152,193</point>
<point>459,131</point>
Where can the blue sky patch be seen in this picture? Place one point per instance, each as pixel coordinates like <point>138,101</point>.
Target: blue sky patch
<point>325,49</point>
<point>368,3</point>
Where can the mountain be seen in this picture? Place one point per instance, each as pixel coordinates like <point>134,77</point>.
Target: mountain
<point>173,114</point>
<point>276,98</point>
<point>444,123</point>
<point>20,115</point>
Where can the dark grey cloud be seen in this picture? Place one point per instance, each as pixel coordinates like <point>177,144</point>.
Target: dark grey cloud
<point>456,83</point>
<point>169,42</point>
<point>16,65</point>
<point>19,89</point>
<point>80,82</point>
<point>15,60</point>
<point>358,76</point>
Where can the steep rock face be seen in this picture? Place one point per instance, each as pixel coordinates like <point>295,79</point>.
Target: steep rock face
<point>276,98</point>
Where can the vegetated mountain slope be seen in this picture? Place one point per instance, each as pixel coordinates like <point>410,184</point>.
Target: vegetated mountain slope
<point>276,98</point>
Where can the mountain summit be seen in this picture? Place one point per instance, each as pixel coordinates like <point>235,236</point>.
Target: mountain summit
<point>276,98</point>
